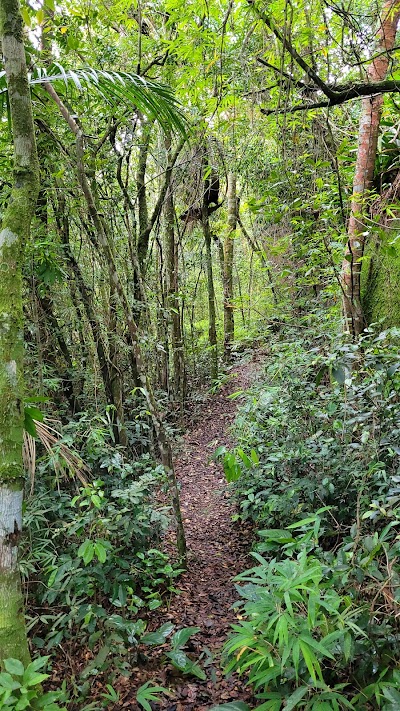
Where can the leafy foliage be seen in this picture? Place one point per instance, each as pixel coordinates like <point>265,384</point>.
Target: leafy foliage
<point>318,629</point>
<point>116,88</point>
<point>20,688</point>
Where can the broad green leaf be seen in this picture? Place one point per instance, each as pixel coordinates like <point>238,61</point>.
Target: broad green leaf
<point>86,551</point>
<point>159,636</point>
<point>254,457</point>
<point>196,670</point>
<point>393,696</point>
<point>14,666</point>
<point>179,659</point>
<point>219,452</point>
<point>34,679</point>
<point>26,16</point>
<point>100,552</point>
<point>276,535</point>
<point>182,636</point>
<point>7,682</point>
<point>338,374</point>
<point>34,413</point>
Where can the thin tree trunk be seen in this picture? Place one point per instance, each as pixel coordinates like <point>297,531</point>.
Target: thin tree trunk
<point>143,212</point>
<point>212,328</point>
<point>259,251</point>
<point>55,333</point>
<point>162,437</point>
<point>364,171</point>
<point>173,303</point>
<point>116,378</point>
<point>229,324</point>
<point>14,233</point>
<point>87,301</point>
<point>162,322</point>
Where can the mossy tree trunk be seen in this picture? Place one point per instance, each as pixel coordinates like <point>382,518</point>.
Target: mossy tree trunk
<point>364,171</point>
<point>13,236</point>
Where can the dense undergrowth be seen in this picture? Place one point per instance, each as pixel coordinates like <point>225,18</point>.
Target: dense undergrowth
<point>317,471</point>
<point>94,565</point>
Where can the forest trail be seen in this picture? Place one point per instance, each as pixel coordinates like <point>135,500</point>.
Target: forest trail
<point>217,551</point>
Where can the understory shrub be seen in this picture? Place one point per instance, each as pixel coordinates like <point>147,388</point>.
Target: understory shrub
<point>93,558</point>
<point>317,470</point>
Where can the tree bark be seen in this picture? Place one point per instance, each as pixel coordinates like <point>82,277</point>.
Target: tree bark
<point>364,172</point>
<point>173,303</point>
<point>212,328</point>
<point>229,324</point>
<point>15,229</point>
<point>56,335</point>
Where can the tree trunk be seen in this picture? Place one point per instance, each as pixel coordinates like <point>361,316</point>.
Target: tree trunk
<point>229,324</point>
<point>162,349</point>
<point>13,236</point>
<point>55,334</point>
<point>364,171</point>
<point>161,433</point>
<point>85,294</point>
<point>116,377</point>
<point>212,328</point>
<point>173,303</point>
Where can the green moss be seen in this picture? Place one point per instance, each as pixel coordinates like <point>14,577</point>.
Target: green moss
<point>13,642</point>
<point>380,288</point>
<point>14,232</point>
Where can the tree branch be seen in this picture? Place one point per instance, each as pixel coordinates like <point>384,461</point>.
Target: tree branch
<point>283,39</point>
<point>295,82</point>
<point>342,94</point>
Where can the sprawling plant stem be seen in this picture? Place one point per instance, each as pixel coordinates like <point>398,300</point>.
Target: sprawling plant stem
<point>364,171</point>
<point>13,236</point>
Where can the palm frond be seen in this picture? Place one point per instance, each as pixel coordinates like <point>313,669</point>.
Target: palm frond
<point>151,98</point>
<point>64,459</point>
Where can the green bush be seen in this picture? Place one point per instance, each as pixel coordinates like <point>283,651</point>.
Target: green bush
<point>309,636</point>
<point>317,469</point>
<point>94,554</point>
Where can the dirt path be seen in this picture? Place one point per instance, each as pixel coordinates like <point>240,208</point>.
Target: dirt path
<point>217,551</point>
